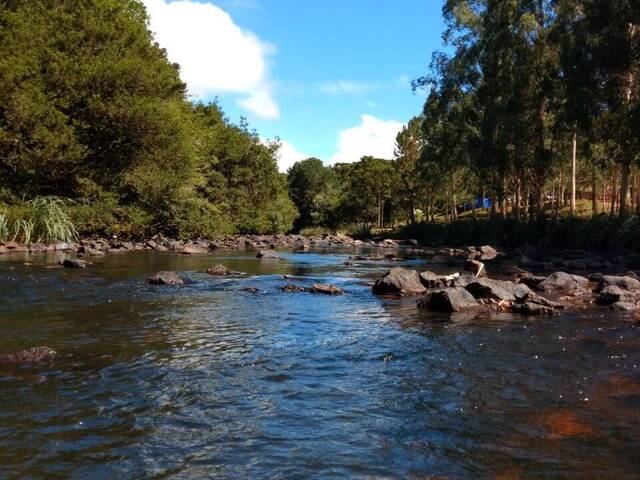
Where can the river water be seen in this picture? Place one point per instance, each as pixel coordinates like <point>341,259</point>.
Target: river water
<point>209,381</point>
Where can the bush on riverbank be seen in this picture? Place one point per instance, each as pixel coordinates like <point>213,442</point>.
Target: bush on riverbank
<point>42,220</point>
<point>598,233</point>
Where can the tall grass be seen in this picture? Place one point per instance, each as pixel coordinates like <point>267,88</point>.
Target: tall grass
<point>42,219</point>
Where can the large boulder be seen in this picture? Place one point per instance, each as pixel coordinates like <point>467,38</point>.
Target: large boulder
<point>165,278</point>
<point>626,283</point>
<point>399,281</point>
<point>432,280</point>
<point>30,356</point>
<point>325,289</point>
<point>500,290</point>
<point>613,294</point>
<point>449,300</point>
<point>565,283</point>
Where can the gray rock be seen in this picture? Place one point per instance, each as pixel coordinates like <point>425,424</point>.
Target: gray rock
<point>399,281</point>
<point>500,290</point>
<point>432,280</point>
<point>165,278</point>
<point>624,282</point>
<point>449,300</point>
<point>561,282</point>
<point>624,306</point>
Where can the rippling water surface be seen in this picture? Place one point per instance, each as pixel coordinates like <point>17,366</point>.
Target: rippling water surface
<point>209,381</point>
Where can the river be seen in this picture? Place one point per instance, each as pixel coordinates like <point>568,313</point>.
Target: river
<point>207,380</point>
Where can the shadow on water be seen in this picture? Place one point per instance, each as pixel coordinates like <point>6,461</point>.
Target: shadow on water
<point>209,380</point>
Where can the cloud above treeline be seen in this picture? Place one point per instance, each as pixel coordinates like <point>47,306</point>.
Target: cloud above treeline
<point>215,55</point>
<point>373,136</point>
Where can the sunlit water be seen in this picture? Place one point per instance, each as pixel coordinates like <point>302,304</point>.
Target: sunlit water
<point>209,381</point>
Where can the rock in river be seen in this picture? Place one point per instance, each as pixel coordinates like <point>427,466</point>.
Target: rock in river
<point>73,263</point>
<point>219,270</point>
<point>29,357</point>
<point>165,278</point>
<point>501,290</point>
<point>449,300</point>
<point>326,289</point>
<point>561,282</point>
<point>399,281</point>
<point>267,254</point>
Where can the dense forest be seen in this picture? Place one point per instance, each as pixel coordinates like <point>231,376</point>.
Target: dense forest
<point>93,114</point>
<point>532,113</point>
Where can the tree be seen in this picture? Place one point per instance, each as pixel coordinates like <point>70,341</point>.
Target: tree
<point>409,144</point>
<point>310,184</point>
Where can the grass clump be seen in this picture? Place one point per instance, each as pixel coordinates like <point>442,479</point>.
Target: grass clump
<point>42,220</point>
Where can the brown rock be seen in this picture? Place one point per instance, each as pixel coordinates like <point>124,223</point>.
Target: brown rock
<point>326,289</point>
<point>165,278</point>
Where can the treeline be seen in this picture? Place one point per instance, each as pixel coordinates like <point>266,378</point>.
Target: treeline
<point>92,111</point>
<point>534,106</point>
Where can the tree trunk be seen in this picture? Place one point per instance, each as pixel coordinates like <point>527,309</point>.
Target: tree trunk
<point>625,188</point>
<point>594,196</point>
<point>572,207</point>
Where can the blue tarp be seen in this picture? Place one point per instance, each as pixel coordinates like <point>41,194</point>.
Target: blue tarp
<point>480,203</point>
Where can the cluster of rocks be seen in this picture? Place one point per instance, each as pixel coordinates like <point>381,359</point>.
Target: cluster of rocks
<point>473,290</point>
<point>172,278</point>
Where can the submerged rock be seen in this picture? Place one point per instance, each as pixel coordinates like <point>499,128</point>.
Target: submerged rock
<point>268,254</point>
<point>449,300</point>
<point>29,357</point>
<point>194,250</point>
<point>293,289</point>
<point>399,281</point>
<point>73,263</point>
<point>326,289</point>
<point>165,278</point>
<point>219,270</point>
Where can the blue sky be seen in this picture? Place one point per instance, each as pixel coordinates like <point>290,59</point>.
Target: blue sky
<point>331,78</point>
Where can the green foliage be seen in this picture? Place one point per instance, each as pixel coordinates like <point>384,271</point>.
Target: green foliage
<point>92,110</point>
<point>44,219</point>
<point>313,189</point>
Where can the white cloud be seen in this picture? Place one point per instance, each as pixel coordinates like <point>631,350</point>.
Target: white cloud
<point>345,87</point>
<point>288,155</point>
<point>215,55</point>
<point>373,137</point>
